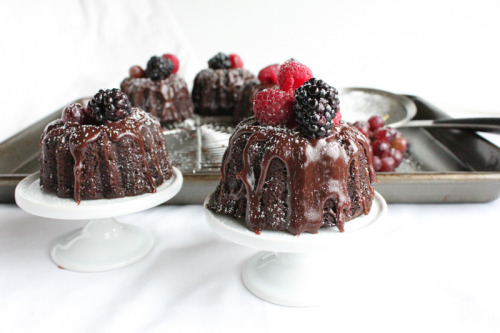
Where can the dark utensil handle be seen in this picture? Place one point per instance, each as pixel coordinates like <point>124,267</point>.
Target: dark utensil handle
<point>478,124</point>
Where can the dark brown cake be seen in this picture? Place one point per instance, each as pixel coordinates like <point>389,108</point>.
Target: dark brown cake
<point>276,179</point>
<point>244,105</point>
<point>119,158</point>
<point>167,99</point>
<point>216,91</point>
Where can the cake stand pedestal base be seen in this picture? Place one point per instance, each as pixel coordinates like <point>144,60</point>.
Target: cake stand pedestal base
<point>290,279</point>
<point>102,245</point>
<point>295,270</point>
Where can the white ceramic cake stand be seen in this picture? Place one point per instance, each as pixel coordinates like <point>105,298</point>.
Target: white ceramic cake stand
<point>293,270</point>
<point>102,244</point>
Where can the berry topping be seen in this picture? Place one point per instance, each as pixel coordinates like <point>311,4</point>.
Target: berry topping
<point>273,107</point>
<point>219,61</point>
<point>400,144</point>
<point>111,104</point>
<point>159,68</point>
<point>376,122</point>
<point>316,108</point>
<point>388,163</point>
<point>136,72</point>
<point>74,113</point>
<point>236,61</point>
<point>292,75</point>
<point>388,145</point>
<point>269,74</point>
<point>174,61</point>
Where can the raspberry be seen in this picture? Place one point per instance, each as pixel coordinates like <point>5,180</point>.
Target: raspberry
<point>292,75</point>
<point>174,60</point>
<point>219,61</point>
<point>316,107</point>
<point>338,117</point>
<point>269,74</point>
<point>111,104</point>
<point>236,61</point>
<point>136,72</point>
<point>273,107</point>
<point>159,68</point>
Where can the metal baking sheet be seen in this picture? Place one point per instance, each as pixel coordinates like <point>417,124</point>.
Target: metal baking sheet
<point>435,168</point>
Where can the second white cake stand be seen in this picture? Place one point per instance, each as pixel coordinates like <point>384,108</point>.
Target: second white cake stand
<point>294,270</point>
<point>102,244</point>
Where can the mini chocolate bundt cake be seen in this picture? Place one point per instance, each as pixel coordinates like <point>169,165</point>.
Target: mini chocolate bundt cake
<point>276,179</point>
<point>159,90</point>
<point>107,150</point>
<point>216,90</point>
<point>296,166</point>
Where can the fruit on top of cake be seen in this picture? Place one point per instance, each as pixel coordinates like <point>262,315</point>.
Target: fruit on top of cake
<point>74,113</point>
<point>312,106</point>
<point>316,108</point>
<point>109,105</point>
<point>158,68</point>
<point>236,61</point>
<point>173,58</point>
<point>219,61</point>
<point>388,145</point>
<point>293,74</point>
<point>136,72</point>
<point>273,107</point>
<point>269,74</point>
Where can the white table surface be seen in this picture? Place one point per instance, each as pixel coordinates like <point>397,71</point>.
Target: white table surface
<point>432,268</point>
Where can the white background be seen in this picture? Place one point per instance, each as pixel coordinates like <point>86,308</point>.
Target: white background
<point>434,268</point>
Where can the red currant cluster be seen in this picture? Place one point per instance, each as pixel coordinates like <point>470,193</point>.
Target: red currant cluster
<point>388,145</point>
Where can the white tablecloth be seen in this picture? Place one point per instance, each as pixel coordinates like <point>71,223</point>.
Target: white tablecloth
<point>432,267</point>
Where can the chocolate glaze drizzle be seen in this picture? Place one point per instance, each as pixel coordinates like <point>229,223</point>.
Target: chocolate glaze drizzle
<point>317,171</point>
<point>166,99</point>
<point>137,125</point>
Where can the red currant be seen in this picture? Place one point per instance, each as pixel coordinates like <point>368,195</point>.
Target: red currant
<point>397,155</point>
<point>136,72</point>
<point>388,164</point>
<point>74,113</point>
<point>381,148</point>
<point>377,163</point>
<point>376,122</point>
<point>400,143</point>
<point>382,134</point>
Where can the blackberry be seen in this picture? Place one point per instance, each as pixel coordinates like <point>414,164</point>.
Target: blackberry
<point>316,104</point>
<point>159,68</point>
<point>219,61</point>
<point>110,104</point>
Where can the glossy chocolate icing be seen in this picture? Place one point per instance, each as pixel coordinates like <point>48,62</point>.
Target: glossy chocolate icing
<point>109,158</point>
<point>322,182</point>
<point>216,91</point>
<point>167,99</point>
